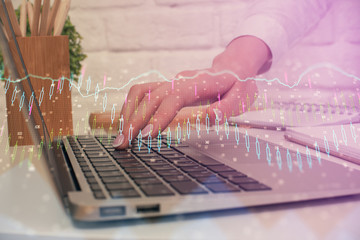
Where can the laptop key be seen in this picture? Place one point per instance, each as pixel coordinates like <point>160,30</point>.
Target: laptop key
<point>254,187</point>
<point>222,187</point>
<point>95,186</point>
<point>110,150</point>
<point>176,144</point>
<point>121,155</point>
<point>162,167</point>
<point>188,187</point>
<point>193,169</point>
<point>118,186</point>
<point>136,175</point>
<point>179,159</point>
<point>136,170</point>
<point>123,161</point>
<point>143,150</point>
<point>88,174</point>
<point>176,178</point>
<point>211,179</point>
<point>99,195</point>
<point>99,159</point>
<point>171,155</point>
<point>117,179</point>
<point>240,180</point>
<point>106,169</point>
<point>221,168</point>
<point>108,146</point>
<point>110,174</point>
<point>96,154</point>
<point>155,162</point>
<point>147,155</point>
<point>83,164</point>
<point>76,151</point>
<point>103,164</point>
<point>90,151</point>
<point>168,172</point>
<point>230,175</point>
<point>146,181</point>
<point>87,142</point>
<point>156,190</point>
<point>92,180</point>
<point>206,161</point>
<point>124,193</point>
<point>151,158</point>
<point>79,155</point>
<point>108,143</point>
<point>85,169</point>
<point>167,149</point>
<point>131,164</point>
<point>204,173</point>
<point>184,163</point>
<point>91,148</point>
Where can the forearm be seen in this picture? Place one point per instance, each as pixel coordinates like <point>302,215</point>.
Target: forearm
<point>281,23</point>
<point>244,56</point>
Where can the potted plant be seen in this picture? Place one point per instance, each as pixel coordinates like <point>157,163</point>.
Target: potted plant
<point>50,61</point>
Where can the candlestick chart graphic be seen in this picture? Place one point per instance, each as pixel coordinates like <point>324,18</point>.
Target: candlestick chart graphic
<point>196,125</point>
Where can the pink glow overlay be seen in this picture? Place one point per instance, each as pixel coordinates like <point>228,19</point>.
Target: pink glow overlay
<point>59,82</point>
<point>31,109</point>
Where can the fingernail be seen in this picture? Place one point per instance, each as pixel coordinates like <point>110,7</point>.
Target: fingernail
<point>147,130</point>
<point>218,114</point>
<point>118,141</point>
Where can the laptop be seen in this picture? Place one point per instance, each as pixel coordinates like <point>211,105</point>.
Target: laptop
<point>163,177</point>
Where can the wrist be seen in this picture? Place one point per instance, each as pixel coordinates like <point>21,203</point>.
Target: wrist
<point>245,55</point>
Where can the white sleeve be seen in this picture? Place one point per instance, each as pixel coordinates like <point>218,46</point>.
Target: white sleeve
<point>279,23</point>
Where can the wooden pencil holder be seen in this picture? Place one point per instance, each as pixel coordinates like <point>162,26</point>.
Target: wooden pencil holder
<point>47,61</point>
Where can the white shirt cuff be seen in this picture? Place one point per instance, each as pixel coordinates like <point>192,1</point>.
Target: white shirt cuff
<point>268,30</point>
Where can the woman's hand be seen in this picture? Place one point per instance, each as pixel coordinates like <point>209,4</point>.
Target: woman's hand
<point>152,113</point>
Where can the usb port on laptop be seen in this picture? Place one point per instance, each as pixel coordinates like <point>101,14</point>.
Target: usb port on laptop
<point>154,208</point>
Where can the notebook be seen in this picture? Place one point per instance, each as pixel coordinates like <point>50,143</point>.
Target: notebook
<point>281,115</point>
<point>341,141</point>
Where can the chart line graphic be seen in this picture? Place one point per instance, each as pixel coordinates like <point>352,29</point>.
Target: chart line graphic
<point>72,84</point>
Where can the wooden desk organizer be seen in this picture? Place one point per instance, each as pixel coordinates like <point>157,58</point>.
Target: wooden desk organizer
<point>46,57</point>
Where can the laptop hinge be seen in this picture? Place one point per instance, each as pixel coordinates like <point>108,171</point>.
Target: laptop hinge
<point>64,172</point>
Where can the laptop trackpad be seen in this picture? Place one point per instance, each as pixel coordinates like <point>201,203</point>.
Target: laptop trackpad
<point>230,151</point>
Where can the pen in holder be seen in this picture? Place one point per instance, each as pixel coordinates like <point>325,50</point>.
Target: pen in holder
<point>47,61</point>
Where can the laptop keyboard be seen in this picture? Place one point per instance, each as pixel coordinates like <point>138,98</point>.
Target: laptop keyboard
<point>146,171</point>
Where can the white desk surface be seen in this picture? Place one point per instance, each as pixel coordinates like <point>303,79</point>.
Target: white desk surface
<point>30,209</point>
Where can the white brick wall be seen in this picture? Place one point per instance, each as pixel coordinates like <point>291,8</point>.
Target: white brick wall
<point>160,28</point>
<point>124,38</point>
